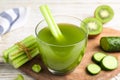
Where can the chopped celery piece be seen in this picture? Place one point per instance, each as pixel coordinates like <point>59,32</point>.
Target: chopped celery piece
<point>36,68</point>
<point>19,77</point>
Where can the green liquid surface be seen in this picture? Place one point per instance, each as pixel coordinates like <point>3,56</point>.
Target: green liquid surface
<point>72,35</point>
<point>62,56</point>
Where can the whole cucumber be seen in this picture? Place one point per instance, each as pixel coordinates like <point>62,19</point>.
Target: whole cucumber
<point>110,44</point>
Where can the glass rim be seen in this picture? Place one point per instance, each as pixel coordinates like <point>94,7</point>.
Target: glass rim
<point>57,44</point>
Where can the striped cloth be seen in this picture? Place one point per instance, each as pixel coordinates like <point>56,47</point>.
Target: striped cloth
<point>12,19</point>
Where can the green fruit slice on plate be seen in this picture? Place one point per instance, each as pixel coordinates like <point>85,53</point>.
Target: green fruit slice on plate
<point>104,13</point>
<point>94,26</point>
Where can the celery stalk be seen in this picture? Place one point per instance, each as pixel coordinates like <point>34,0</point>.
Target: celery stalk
<point>29,41</point>
<point>20,61</point>
<point>51,22</point>
<point>7,51</point>
<point>17,60</point>
<point>14,55</point>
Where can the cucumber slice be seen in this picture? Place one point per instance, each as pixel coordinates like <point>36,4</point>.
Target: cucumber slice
<point>109,63</point>
<point>93,69</point>
<point>98,56</point>
<point>110,44</point>
<point>94,26</point>
<point>104,13</point>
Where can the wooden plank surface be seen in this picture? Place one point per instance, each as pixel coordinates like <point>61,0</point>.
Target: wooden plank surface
<point>80,72</point>
<point>77,8</point>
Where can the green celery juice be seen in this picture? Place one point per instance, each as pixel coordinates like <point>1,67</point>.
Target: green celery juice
<point>62,56</point>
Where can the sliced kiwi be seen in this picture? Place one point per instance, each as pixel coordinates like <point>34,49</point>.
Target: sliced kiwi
<point>94,26</point>
<point>104,13</point>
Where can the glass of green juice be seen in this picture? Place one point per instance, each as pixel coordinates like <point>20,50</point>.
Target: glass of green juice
<point>62,57</point>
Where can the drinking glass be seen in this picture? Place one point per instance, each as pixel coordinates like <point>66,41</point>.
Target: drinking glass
<point>62,59</point>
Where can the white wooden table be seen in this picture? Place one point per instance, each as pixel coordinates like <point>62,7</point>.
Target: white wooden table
<point>77,8</point>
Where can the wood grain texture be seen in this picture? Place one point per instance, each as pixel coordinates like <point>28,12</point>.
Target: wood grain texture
<point>80,72</point>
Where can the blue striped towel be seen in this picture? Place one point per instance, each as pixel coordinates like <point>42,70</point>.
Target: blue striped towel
<point>12,19</point>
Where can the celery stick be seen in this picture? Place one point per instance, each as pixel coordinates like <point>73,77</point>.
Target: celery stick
<point>23,56</point>
<point>15,47</point>
<point>51,22</point>
<point>22,62</point>
<point>19,58</point>
<point>17,55</point>
<point>7,52</point>
<point>19,62</point>
<point>28,41</point>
